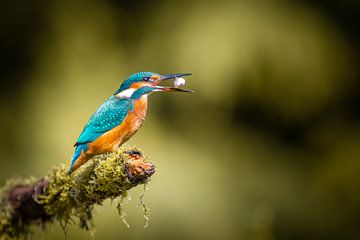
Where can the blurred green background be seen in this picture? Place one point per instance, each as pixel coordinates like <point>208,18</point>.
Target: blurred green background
<point>267,148</point>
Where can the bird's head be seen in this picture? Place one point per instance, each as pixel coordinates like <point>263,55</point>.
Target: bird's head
<point>144,79</point>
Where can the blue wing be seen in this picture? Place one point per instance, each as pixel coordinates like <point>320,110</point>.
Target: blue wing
<point>109,115</point>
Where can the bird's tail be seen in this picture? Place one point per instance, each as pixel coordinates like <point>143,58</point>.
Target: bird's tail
<point>79,157</point>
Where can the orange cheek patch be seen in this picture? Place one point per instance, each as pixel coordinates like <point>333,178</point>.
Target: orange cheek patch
<point>137,85</point>
<point>155,77</point>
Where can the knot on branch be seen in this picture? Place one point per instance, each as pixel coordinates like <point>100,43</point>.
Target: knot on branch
<point>67,198</point>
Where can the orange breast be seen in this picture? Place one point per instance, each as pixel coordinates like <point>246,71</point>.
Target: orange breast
<point>117,136</point>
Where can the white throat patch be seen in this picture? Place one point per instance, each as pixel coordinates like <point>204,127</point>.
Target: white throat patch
<point>126,93</point>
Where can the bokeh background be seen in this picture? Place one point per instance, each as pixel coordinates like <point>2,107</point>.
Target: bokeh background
<point>267,148</point>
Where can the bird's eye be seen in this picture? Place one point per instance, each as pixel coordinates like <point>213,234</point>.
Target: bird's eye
<point>146,79</point>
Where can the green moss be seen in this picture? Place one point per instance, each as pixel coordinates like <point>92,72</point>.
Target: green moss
<point>70,198</point>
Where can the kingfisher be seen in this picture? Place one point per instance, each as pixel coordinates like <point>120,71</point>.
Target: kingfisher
<point>120,116</point>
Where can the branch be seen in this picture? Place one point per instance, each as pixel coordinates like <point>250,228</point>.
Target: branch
<point>66,198</point>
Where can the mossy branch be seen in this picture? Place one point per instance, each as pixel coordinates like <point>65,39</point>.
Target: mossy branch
<point>70,198</point>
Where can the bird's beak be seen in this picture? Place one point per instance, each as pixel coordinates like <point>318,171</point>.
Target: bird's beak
<point>169,89</point>
<point>169,76</point>
<point>158,88</point>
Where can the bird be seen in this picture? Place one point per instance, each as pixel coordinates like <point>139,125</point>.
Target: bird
<point>120,116</point>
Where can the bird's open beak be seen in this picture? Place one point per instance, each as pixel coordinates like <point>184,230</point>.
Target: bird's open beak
<point>167,77</point>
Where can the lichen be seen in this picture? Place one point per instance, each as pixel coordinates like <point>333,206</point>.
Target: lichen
<point>71,198</point>
<point>145,209</point>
